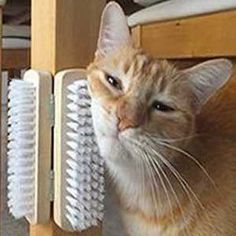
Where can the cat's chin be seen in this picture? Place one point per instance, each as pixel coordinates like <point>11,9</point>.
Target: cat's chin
<point>112,150</point>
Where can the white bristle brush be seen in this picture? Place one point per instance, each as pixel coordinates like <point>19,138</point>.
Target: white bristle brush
<point>79,176</point>
<point>29,140</point>
<point>21,166</point>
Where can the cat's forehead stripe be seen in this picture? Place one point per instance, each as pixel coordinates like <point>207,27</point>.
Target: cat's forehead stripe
<point>144,71</point>
<point>137,71</point>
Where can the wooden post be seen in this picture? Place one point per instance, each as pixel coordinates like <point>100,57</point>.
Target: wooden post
<point>64,35</point>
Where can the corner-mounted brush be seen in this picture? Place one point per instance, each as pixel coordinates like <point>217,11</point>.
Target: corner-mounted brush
<point>79,169</point>
<point>29,147</point>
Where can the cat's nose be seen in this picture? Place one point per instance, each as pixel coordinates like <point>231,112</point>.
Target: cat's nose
<point>130,115</point>
<point>126,124</point>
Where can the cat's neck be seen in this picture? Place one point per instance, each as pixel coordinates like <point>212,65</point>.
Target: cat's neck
<point>139,192</point>
<point>194,194</point>
<point>148,194</point>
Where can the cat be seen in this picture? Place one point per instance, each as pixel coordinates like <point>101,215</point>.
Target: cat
<point>167,136</point>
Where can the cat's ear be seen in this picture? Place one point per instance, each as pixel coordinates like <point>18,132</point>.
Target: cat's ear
<point>114,31</point>
<point>206,78</point>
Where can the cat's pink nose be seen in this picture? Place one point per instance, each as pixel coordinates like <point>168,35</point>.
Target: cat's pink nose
<point>130,115</point>
<point>126,124</point>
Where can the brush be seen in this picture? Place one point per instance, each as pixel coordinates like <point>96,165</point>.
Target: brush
<point>80,169</point>
<point>29,140</point>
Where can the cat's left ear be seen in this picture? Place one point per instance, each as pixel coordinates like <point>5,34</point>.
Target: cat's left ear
<point>114,31</point>
<point>206,78</point>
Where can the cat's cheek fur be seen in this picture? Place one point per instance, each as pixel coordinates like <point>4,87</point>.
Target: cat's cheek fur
<point>105,127</point>
<point>117,158</point>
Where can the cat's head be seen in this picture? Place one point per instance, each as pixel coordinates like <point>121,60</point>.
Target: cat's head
<point>139,101</point>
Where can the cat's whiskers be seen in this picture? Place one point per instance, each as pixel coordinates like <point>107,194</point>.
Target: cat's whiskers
<point>190,156</point>
<point>185,185</point>
<point>174,140</point>
<point>182,183</point>
<point>188,190</point>
<point>156,165</point>
<point>153,167</point>
<point>142,167</point>
<point>153,192</point>
<point>181,180</point>
<point>157,199</point>
<point>172,189</point>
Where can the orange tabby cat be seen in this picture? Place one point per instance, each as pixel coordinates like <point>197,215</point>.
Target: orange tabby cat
<point>167,136</point>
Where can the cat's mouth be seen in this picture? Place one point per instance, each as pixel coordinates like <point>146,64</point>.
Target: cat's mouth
<point>127,136</point>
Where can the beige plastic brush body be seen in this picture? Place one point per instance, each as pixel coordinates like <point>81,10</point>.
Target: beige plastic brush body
<point>29,146</point>
<point>79,170</point>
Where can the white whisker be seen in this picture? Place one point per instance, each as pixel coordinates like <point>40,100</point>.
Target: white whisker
<point>153,192</point>
<point>183,182</point>
<point>173,140</point>
<point>153,162</point>
<point>191,158</point>
<point>164,187</point>
<point>172,190</point>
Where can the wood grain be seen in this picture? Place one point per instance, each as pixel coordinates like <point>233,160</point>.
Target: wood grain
<point>64,35</point>
<point>43,144</point>
<point>43,28</point>
<point>52,229</point>
<point>42,229</point>
<point>211,35</point>
<point>136,35</point>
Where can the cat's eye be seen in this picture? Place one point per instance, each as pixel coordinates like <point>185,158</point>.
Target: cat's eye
<point>159,106</point>
<point>114,82</point>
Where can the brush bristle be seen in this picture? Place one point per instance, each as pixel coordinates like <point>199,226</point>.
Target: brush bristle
<point>21,152</point>
<point>85,170</point>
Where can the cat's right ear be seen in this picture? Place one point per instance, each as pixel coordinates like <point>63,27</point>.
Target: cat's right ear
<point>206,78</point>
<point>114,31</point>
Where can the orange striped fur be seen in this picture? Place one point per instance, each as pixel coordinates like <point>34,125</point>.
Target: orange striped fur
<point>168,137</point>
